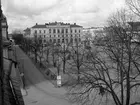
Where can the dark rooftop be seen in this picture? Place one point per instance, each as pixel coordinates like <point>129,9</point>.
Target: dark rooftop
<point>39,26</point>
<point>134,23</point>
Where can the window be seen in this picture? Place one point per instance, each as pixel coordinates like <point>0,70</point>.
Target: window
<point>54,31</point>
<point>79,31</point>
<point>44,40</point>
<point>58,40</point>
<point>58,35</point>
<point>50,40</point>
<point>35,31</point>
<point>54,40</point>
<point>75,40</point>
<point>75,30</point>
<point>44,36</point>
<point>79,40</point>
<point>71,35</point>
<point>62,31</point>
<point>71,30</point>
<point>75,35</point>
<point>66,30</point>
<point>50,36</point>
<point>79,35</point>
<point>62,40</point>
<point>44,31</point>
<point>54,35</point>
<point>39,31</point>
<point>49,30</point>
<point>58,31</point>
<point>67,35</point>
<point>62,35</point>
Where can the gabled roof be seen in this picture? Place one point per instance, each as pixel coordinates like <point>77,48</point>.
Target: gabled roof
<point>39,26</point>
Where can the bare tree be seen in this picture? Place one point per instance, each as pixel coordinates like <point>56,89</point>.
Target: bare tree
<point>112,73</point>
<point>47,51</point>
<point>134,6</point>
<point>77,55</point>
<point>64,52</point>
<point>40,54</point>
<point>36,47</point>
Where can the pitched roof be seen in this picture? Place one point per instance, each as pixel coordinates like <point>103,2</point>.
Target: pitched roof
<point>39,26</point>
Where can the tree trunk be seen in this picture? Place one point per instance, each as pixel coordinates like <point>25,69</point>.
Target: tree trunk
<point>64,63</point>
<point>35,55</point>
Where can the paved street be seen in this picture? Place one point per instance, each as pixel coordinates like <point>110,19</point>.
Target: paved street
<point>39,90</point>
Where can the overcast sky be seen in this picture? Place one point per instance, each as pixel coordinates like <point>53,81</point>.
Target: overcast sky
<point>88,13</point>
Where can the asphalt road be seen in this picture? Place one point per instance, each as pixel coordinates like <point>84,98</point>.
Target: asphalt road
<point>39,90</point>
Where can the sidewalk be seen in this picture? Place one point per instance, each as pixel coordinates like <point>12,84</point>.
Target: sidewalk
<point>40,91</point>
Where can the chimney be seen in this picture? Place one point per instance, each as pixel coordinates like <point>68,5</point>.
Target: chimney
<point>74,23</point>
<point>36,24</point>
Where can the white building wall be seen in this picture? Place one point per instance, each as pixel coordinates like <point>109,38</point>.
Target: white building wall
<point>58,36</point>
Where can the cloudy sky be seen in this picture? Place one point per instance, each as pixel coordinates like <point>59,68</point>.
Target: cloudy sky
<point>88,13</point>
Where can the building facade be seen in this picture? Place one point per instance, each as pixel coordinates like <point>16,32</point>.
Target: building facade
<point>27,32</point>
<point>57,32</point>
<point>4,27</point>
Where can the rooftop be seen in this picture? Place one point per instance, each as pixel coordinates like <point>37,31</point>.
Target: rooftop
<point>39,26</point>
<point>54,23</point>
<point>134,23</point>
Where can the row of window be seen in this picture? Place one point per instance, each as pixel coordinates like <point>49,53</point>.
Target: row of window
<point>57,31</point>
<point>63,35</point>
<point>66,40</point>
<point>60,36</point>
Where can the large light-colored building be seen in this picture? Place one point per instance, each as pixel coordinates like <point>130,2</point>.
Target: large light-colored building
<point>57,32</point>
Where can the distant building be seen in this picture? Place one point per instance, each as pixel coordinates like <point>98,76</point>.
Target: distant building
<point>57,32</point>
<point>90,35</point>
<point>27,32</point>
<point>4,27</point>
<point>135,28</point>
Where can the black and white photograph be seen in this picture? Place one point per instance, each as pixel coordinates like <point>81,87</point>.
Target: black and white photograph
<point>69,52</point>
